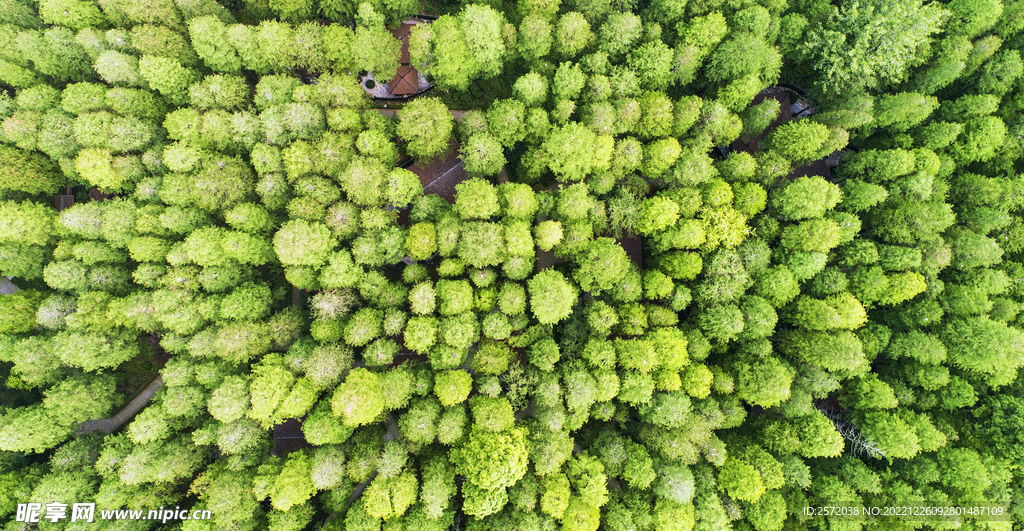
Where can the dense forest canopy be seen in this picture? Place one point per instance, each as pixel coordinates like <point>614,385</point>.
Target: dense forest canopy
<point>630,265</point>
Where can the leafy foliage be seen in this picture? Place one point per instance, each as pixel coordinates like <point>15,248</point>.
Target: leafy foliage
<point>632,281</point>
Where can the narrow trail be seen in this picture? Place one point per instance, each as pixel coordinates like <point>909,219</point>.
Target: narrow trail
<point>391,433</point>
<point>112,423</point>
<point>7,287</point>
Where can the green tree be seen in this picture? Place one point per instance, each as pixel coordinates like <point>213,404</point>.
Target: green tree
<point>764,382</point>
<point>900,112</point>
<point>209,37</point>
<point>299,243</point>
<point>601,266</point>
<point>892,435</point>
<point>18,311</point>
<point>401,187</point>
<point>27,172</point>
<point>74,14</point>
<point>657,213</point>
<point>659,156</point>
<point>168,77</point>
<point>722,323</point>
<point>441,49</point>
<point>483,155</point>
<point>864,43</point>
<point>78,399</point>
<point>805,198</point>
<point>619,33</point>
<point>506,121</point>
<point>483,26</point>
<point>652,62</point>
<point>292,10</point>
<point>569,80</point>
<point>101,169</point>
<point>379,50</point>
<point>971,18</point>
<point>426,125</point>
<point>798,141</point>
<point>517,200</point>
<point>452,387</point>
<point>492,460</point>
<point>491,414</point>
<point>548,234</point>
<point>983,347</point>
<point>551,296</point>
<point>544,354</point>
<point>421,241</point>
<point>741,480</point>
<point>535,38</point>
<point>55,53</point>
<point>480,502</point>
<point>31,429</point>
<point>25,223</point>
<point>572,35</point>
<point>293,485</point>
<point>757,118</point>
<point>360,399</point>
<point>569,151</point>
<point>531,88</point>
<point>481,244</point>
<point>390,497</point>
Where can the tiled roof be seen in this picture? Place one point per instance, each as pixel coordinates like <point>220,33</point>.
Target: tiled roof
<point>440,176</point>
<point>406,81</point>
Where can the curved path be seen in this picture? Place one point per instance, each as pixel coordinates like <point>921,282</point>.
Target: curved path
<point>391,432</point>
<point>112,423</point>
<point>7,287</point>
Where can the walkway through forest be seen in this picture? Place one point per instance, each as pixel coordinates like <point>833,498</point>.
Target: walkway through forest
<point>111,424</point>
